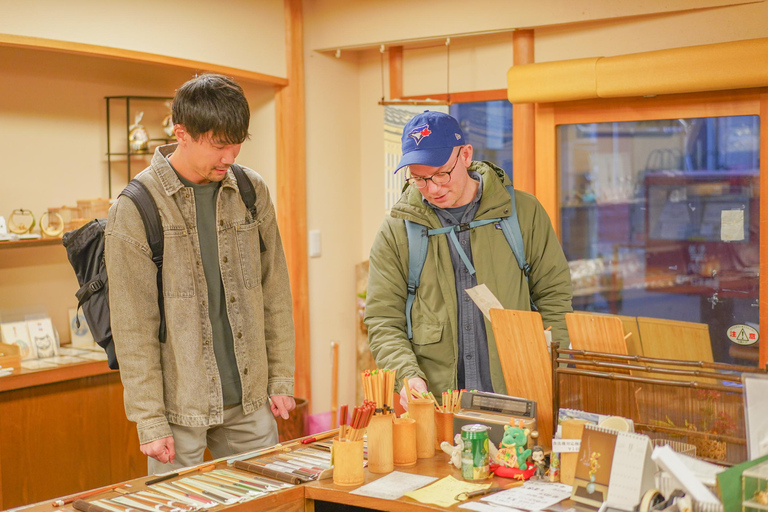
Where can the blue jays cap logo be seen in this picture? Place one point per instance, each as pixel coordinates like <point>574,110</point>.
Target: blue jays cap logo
<point>419,133</point>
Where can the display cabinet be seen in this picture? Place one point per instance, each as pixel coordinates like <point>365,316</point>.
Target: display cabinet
<point>658,208</point>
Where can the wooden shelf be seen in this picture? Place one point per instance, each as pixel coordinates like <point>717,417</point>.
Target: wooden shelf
<point>38,242</point>
<point>39,43</point>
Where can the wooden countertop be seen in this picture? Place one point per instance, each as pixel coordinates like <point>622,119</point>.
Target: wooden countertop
<point>23,378</point>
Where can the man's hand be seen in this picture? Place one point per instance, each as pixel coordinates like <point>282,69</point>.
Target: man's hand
<point>416,383</point>
<point>281,405</point>
<point>160,449</point>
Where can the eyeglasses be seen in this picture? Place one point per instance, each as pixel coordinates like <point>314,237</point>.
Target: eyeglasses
<point>439,178</point>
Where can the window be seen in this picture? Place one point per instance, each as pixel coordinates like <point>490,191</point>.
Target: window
<point>661,219</point>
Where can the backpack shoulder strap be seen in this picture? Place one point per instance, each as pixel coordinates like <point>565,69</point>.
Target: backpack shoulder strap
<point>139,194</point>
<point>150,216</point>
<point>248,193</point>
<point>417,256</point>
<point>510,226</point>
<point>245,186</point>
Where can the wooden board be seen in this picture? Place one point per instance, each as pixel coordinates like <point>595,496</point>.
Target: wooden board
<point>596,333</point>
<point>672,339</point>
<point>525,362</point>
<point>634,341</point>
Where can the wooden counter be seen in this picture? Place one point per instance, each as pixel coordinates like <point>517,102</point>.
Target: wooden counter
<point>64,430</point>
<point>304,497</point>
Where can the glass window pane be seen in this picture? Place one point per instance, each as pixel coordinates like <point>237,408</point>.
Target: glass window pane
<point>661,219</point>
<point>487,125</point>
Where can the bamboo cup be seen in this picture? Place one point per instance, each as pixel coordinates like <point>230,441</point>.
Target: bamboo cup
<point>572,429</point>
<point>348,462</point>
<point>443,428</point>
<point>404,441</point>
<point>380,444</point>
<point>422,410</point>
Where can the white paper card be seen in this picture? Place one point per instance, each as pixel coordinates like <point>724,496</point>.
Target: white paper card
<point>43,338</point>
<point>16,333</point>
<point>566,445</point>
<point>531,496</point>
<point>394,485</point>
<point>630,456</point>
<point>80,336</point>
<point>756,403</point>
<point>731,225</point>
<point>485,299</point>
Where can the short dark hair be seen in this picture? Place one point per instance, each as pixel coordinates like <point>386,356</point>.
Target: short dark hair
<point>212,103</point>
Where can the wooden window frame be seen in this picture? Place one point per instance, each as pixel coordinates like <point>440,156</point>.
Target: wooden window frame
<point>746,102</point>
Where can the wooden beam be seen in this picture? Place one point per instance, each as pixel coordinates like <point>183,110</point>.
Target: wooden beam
<point>463,97</point>
<point>395,72</point>
<point>292,189</point>
<point>92,50</point>
<point>523,121</point>
<point>763,294</point>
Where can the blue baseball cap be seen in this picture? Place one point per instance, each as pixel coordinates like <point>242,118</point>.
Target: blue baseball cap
<point>429,139</point>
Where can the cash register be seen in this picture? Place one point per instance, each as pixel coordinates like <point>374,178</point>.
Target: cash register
<point>495,411</point>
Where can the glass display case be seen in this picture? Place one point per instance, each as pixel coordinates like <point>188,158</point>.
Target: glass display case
<point>660,219</point>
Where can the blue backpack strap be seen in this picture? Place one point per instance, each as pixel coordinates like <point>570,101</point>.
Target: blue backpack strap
<point>510,226</point>
<point>417,256</point>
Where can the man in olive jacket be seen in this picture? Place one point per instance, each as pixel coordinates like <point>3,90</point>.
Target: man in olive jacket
<point>453,345</point>
<point>229,347</point>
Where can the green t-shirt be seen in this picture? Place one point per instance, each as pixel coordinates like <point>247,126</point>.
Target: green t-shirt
<point>223,343</point>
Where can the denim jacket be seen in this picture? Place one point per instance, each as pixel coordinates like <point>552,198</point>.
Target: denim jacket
<point>177,381</point>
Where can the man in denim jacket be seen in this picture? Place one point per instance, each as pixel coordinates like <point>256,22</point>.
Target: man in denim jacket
<point>229,349</point>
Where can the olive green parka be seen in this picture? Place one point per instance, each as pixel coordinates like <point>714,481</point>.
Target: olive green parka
<point>432,352</point>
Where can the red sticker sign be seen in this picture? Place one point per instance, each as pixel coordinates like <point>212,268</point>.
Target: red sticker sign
<point>742,334</point>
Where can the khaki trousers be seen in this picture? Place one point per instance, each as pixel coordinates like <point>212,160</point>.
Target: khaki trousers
<point>238,434</point>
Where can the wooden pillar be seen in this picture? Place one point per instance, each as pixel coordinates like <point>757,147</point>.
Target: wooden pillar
<point>523,121</point>
<point>292,189</point>
<point>763,295</point>
<point>395,72</point>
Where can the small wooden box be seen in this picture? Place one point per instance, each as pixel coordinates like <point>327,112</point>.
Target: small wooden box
<point>10,356</point>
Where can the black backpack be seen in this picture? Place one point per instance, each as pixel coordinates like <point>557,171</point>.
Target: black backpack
<point>85,251</point>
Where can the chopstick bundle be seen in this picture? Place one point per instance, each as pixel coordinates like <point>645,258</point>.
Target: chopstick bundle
<point>452,400</point>
<point>360,419</point>
<point>379,388</point>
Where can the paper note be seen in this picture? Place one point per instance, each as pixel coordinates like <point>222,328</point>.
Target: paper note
<point>443,492</point>
<point>531,496</point>
<point>37,364</point>
<point>394,485</point>
<point>487,507</point>
<point>731,225</point>
<point>485,299</point>
<point>64,359</point>
<point>566,445</point>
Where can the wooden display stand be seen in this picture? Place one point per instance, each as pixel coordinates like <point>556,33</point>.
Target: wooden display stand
<point>596,333</point>
<point>525,362</point>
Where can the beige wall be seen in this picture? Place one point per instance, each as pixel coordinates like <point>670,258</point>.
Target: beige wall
<point>349,23</point>
<point>246,34</point>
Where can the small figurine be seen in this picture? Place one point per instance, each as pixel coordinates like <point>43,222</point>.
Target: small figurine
<point>762,496</point>
<point>513,452</point>
<point>554,467</point>
<point>138,137</point>
<point>454,451</point>
<point>537,456</point>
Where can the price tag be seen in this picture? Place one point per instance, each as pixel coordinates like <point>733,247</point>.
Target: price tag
<point>566,445</point>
